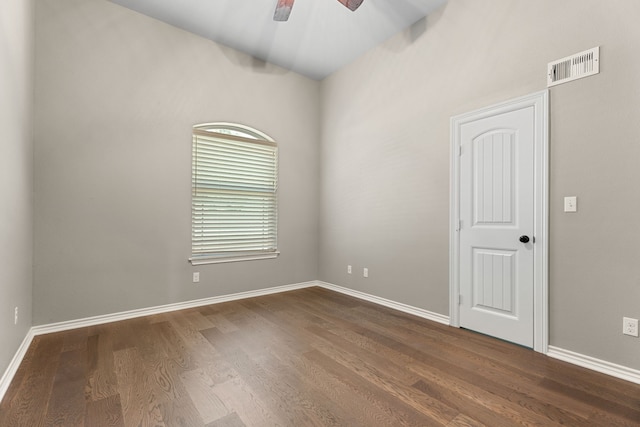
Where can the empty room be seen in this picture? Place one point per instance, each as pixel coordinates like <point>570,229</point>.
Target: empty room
<point>319,212</point>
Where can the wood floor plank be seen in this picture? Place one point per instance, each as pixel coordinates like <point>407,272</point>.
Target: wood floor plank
<point>512,381</point>
<point>18,379</point>
<point>509,400</point>
<point>465,401</point>
<point>201,389</point>
<point>578,381</point>
<point>29,405</point>
<point>175,347</point>
<point>385,374</point>
<point>389,343</point>
<point>339,397</point>
<point>124,333</point>
<point>310,357</point>
<point>231,420</point>
<point>197,319</point>
<point>340,401</point>
<point>464,421</point>
<point>601,418</point>
<point>67,403</point>
<point>138,397</point>
<point>393,407</point>
<point>430,351</point>
<point>240,398</point>
<point>292,368</point>
<point>175,404</point>
<point>75,339</point>
<point>101,381</point>
<point>222,323</point>
<point>203,354</point>
<point>594,401</point>
<point>286,402</point>
<point>105,412</point>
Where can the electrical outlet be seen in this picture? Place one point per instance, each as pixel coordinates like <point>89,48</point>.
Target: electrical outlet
<point>196,276</point>
<point>365,272</point>
<point>348,269</point>
<point>630,326</point>
<point>15,316</point>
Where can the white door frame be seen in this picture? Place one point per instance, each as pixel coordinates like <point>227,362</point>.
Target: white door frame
<point>540,102</point>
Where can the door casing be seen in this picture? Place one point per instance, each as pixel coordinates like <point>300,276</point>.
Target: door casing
<point>540,102</point>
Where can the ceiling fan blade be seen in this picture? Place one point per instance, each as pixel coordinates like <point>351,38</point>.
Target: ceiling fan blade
<point>283,10</point>
<point>351,4</point>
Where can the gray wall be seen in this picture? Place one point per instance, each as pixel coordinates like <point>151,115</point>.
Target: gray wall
<point>16,172</point>
<point>117,94</point>
<point>385,158</point>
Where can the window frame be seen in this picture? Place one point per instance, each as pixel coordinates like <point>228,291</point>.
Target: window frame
<point>231,133</point>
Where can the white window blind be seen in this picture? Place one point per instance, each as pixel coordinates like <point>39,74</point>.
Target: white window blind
<point>234,211</point>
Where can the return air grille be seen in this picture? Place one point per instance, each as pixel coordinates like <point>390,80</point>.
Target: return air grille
<point>574,67</point>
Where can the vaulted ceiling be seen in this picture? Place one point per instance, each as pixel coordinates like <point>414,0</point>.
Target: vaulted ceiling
<point>319,38</point>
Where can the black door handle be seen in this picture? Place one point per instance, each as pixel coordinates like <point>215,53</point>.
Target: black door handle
<point>524,239</point>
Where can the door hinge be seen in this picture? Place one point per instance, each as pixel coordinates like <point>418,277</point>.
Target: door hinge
<point>459,225</point>
<point>459,150</point>
<point>459,299</point>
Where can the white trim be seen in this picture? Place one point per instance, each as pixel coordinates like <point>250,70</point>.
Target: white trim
<point>425,314</point>
<point>540,102</point>
<point>258,135</point>
<point>588,362</point>
<point>11,370</point>
<point>125,315</point>
<point>594,364</point>
<point>220,260</point>
<point>541,227</point>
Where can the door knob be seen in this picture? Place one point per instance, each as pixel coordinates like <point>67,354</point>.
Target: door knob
<point>524,239</point>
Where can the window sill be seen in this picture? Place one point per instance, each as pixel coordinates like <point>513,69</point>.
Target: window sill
<point>220,260</point>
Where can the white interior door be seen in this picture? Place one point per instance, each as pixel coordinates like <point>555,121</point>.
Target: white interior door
<point>497,222</point>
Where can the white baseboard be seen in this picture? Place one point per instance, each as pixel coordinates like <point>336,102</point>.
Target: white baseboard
<point>608,368</point>
<point>425,314</point>
<point>588,362</point>
<point>125,315</point>
<point>594,364</point>
<point>11,370</point>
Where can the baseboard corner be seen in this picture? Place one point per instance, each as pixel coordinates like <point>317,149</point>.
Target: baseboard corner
<point>405,308</point>
<point>148,311</point>
<point>12,369</point>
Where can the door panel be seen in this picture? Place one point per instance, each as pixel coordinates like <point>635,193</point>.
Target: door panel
<point>496,208</point>
<point>493,201</point>
<point>493,281</point>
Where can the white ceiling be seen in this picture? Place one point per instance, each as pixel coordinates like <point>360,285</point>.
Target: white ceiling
<point>320,37</point>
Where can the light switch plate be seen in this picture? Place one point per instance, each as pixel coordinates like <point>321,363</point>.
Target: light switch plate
<point>571,204</point>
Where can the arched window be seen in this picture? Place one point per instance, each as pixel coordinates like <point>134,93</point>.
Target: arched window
<point>234,208</point>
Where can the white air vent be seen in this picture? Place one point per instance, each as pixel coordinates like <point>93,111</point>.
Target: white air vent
<point>574,67</point>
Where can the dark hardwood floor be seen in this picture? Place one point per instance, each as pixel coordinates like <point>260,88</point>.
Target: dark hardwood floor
<point>303,358</point>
